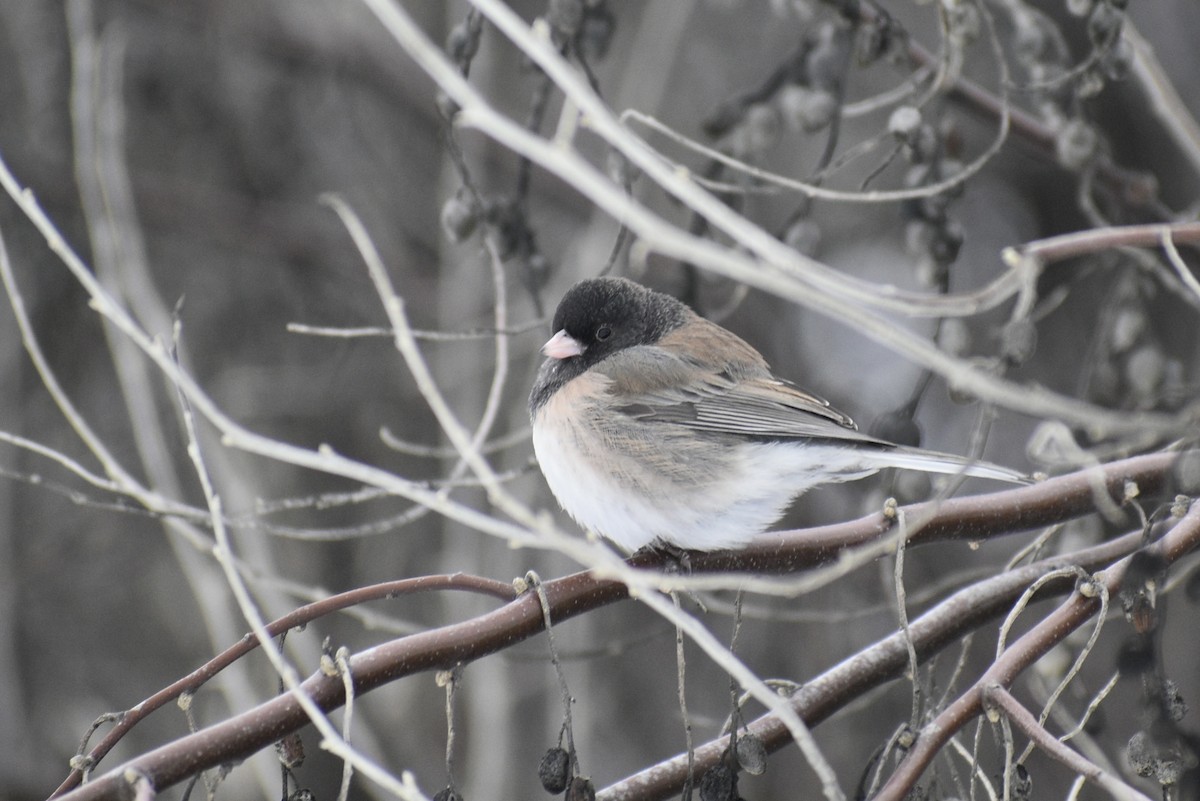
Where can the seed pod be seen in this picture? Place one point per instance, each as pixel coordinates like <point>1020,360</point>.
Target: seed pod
<point>460,215</point>
<point>555,770</point>
<point>719,783</point>
<point>752,754</point>
<point>806,109</point>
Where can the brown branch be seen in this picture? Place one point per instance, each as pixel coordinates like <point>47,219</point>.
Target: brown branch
<point>819,698</point>
<point>299,617</point>
<point>977,517</point>
<point>1082,243</point>
<point>999,698</point>
<point>1137,188</point>
<point>1181,540</point>
<point>972,517</point>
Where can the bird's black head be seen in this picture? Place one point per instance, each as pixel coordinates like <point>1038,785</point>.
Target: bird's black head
<point>603,316</point>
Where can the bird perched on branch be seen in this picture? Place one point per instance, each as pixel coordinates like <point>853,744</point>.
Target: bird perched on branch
<point>654,426</point>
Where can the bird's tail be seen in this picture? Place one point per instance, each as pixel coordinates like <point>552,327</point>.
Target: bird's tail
<point>934,462</point>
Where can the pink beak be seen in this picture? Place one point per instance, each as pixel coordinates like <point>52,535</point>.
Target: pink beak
<point>562,346</point>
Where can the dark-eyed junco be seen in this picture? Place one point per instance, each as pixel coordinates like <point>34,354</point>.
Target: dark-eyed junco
<point>653,425</point>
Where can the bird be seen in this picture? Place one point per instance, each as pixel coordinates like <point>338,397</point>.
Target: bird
<point>654,426</point>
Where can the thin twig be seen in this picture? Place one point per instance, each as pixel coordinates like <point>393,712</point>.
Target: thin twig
<point>332,741</point>
<point>791,276</point>
<point>901,601</point>
<point>1165,102</point>
<point>1088,586</point>
<point>342,670</point>
<point>575,595</point>
<point>1001,699</point>
<point>1182,538</point>
<point>127,720</point>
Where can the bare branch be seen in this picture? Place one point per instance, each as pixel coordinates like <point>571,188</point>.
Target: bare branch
<point>1002,700</point>
<point>573,595</point>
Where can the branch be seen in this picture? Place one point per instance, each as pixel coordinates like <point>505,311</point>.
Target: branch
<point>998,697</point>
<point>977,517</point>
<point>887,659</point>
<point>772,266</point>
<point>1182,539</point>
<point>296,619</point>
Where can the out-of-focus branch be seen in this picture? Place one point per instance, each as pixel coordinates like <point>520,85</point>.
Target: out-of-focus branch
<point>1083,243</point>
<point>1165,102</point>
<point>773,266</point>
<point>1137,188</point>
<point>121,265</point>
<point>1033,256</point>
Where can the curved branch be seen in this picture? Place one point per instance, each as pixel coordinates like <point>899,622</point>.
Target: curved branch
<point>297,618</point>
<point>819,698</point>
<point>971,517</point>
<point>977,517</point>
<point>1002,699</point>
<point>1180,540</point>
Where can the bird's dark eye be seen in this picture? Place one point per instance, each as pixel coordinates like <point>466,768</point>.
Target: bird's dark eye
<point>603,333</point>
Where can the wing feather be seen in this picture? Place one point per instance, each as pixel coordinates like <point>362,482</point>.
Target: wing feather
<point>741,398</point>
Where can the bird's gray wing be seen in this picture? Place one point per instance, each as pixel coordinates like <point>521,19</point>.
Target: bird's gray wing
<point>657,385</point>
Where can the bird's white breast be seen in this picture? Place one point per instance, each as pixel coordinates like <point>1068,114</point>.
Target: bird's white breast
<point>634,482</point>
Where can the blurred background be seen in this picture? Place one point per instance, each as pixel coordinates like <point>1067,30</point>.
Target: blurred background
<point>182,149</point>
